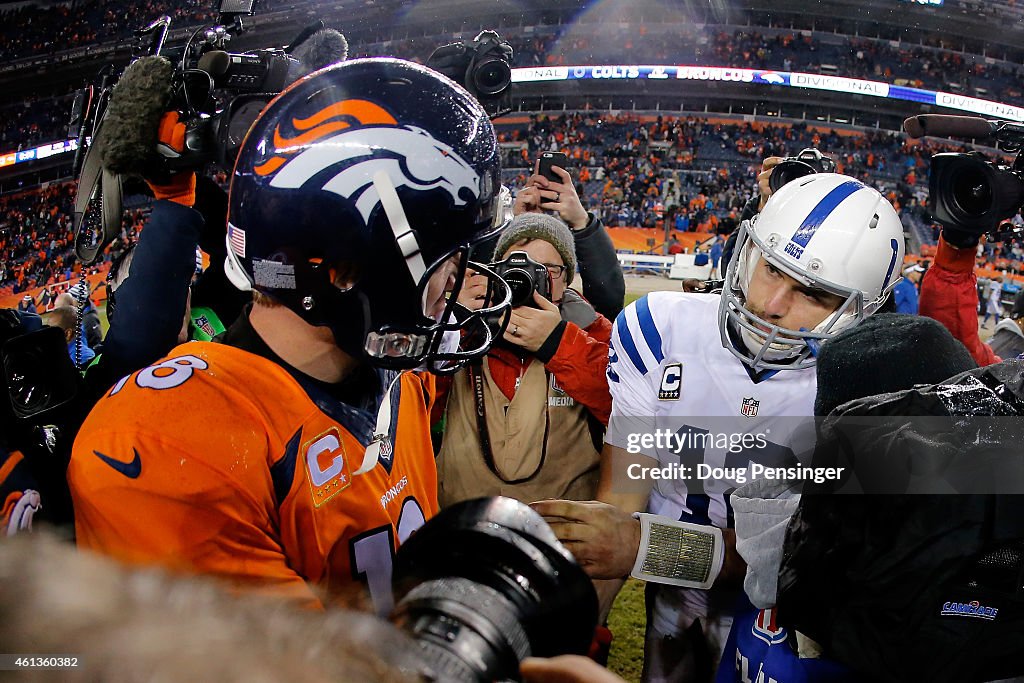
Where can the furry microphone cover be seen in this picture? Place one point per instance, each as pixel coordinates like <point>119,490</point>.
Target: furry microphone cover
<point>128,135</point>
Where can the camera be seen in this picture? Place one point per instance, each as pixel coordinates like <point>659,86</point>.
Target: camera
<point>217,93</point>
<point>968,192</point>
<point>805,163</point>
<point>524,276</point>
<point>482,66</point>
<point>483,585</point>
<point>38,385</point>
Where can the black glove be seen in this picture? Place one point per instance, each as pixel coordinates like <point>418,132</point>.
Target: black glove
<point>961,238</point>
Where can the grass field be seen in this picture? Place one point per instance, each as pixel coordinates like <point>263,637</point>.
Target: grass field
<point>627,618</point>
<point>627,621</point>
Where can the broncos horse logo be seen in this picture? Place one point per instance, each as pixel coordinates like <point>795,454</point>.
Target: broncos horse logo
<point>370,140</point>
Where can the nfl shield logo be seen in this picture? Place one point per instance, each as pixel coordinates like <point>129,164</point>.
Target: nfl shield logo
<point>749,407</point>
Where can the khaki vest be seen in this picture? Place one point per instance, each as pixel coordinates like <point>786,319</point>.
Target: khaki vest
<point>516,430</point>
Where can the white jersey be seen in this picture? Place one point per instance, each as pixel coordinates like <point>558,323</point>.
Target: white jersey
<point>669,375</point>
<point>669,371</point>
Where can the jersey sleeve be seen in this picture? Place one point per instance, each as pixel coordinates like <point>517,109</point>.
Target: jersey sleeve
<point>171,468</point>
<point>634,356</point>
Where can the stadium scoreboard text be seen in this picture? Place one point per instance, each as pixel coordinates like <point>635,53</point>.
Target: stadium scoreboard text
<point>785,79</point>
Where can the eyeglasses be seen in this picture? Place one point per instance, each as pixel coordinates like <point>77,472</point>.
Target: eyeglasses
<point>555,271</point>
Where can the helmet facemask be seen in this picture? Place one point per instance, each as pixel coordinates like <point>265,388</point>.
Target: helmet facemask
<point>352,305</point>
<point>768,346</point>
<point>446,342</point>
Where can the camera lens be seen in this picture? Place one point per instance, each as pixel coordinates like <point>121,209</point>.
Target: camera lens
<point>788,171</point>
<point>520,283</point>
<point>491,76</point>
<point>971,191</point>
<point>484,584</point>
<point>28,389</point>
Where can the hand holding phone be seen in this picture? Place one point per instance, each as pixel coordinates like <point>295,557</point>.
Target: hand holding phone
<point>549,159</point>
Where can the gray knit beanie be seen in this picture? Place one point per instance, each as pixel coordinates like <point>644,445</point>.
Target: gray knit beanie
<point>540,226</point>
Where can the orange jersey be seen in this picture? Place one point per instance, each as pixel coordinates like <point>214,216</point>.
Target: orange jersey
<point>217,461</point>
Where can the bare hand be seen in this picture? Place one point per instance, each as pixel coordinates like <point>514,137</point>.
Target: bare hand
<point>474,291</point>
<point>565,669</point>
<point>762,179</point>
<point>527,201</point>
<point>603,539</point>
<point>690,284</point>
<point>561,197</point>
<point>530,327</point>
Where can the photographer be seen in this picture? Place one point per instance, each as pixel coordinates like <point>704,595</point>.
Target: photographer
<point>524,422</point>
<point>600,272</point>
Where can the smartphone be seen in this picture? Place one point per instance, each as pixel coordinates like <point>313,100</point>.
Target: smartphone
<point>549,159</point>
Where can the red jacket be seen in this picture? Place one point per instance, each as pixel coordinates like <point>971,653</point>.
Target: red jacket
<point>578,364</point>
<point>949,294</point>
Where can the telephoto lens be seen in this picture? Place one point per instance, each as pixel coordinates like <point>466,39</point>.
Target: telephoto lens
<point>485,584</point>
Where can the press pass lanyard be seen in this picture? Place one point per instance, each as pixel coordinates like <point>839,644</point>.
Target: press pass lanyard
<point>476,376</point>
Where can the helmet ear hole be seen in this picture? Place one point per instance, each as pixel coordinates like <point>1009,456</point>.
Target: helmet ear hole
<point>344,276</point>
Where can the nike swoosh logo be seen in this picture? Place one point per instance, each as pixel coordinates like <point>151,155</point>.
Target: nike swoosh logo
<point>132,469</point>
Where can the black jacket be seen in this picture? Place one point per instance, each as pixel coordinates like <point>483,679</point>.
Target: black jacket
<point>910,587</point>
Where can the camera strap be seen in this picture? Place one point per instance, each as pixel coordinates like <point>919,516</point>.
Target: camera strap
<point>476,377</point>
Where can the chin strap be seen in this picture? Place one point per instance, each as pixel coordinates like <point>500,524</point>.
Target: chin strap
<point>381,432</point>
<point>404,235</point>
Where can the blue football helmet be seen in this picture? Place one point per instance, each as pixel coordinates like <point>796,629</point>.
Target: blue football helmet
<point>356,198</point>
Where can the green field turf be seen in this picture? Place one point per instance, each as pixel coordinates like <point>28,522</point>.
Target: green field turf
<point>627,618</point>
<point>626,622</point>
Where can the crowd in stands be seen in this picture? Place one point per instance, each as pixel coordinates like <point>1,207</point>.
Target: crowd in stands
<point>33,122</point>
<point>36,237</point>
<point>31,30</point>
<point>856,57</point>
<point>637,171</point>
<point>697,173</point>
<point>916,66</point>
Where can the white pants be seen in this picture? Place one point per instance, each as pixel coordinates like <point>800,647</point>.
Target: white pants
<point>690,653</point>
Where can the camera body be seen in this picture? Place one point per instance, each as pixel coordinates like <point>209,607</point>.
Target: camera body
<point>524,277</point>
<point>38,384</point>
<point>967,192</point>
<point>483,66</point>
<point>805,163</point>
<point>220,94</point>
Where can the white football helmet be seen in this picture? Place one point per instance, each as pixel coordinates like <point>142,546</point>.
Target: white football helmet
<point>829,232</point>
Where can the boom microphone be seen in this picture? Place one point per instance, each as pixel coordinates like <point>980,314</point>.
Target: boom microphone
<point>321,49</point>
<point>942,125</point>
<point>215,63</point>
<point>129,133</point>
